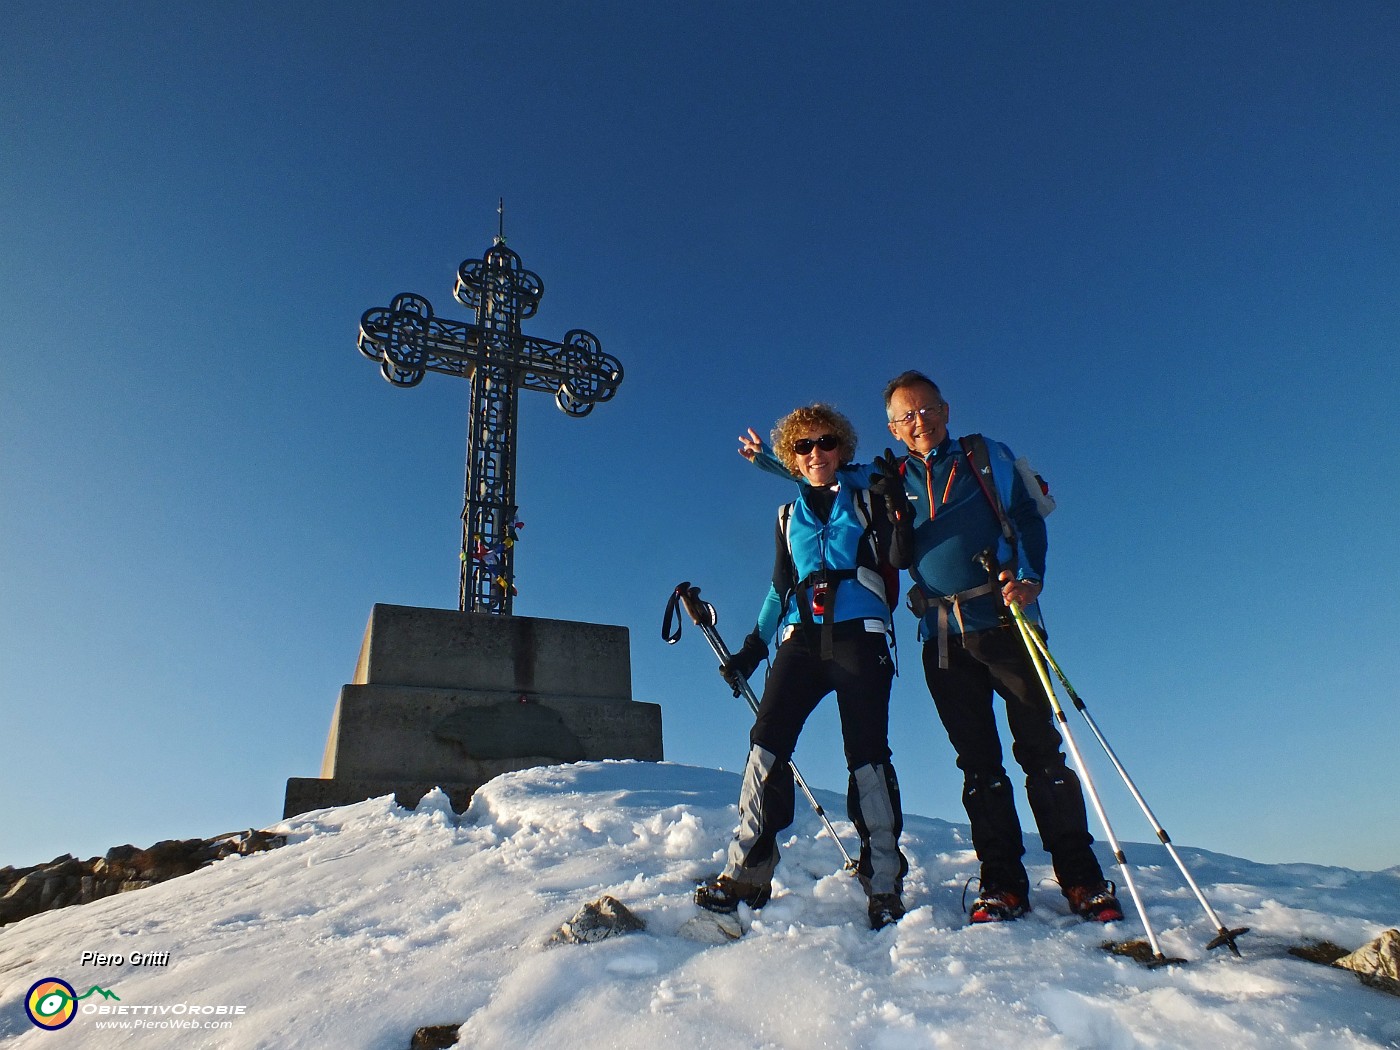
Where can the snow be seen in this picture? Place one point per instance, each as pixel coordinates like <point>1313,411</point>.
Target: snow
<point>374,920</point>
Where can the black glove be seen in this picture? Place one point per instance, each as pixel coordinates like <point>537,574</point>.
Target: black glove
<point>741,665</point>
<point>888,483</point>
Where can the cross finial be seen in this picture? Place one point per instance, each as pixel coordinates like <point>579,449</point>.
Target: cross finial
<point>501,215</point>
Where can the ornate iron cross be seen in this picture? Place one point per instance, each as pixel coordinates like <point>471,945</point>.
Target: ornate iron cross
<point>409,341</point>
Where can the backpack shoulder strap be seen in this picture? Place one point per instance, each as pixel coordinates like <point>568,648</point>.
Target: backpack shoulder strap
<point>785,528</point>
<point>974,447</point>
<point>889,575</point>
<point>865,514</point>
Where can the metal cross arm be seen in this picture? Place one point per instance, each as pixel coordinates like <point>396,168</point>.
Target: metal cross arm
<point>409,340</point>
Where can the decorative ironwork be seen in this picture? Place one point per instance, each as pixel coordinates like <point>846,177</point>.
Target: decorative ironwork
<point>409,341</point>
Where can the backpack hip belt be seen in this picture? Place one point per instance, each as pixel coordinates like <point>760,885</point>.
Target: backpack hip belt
<point>816,596</point>
<point>919,603</point>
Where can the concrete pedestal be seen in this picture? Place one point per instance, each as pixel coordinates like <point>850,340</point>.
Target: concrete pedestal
<point>451,699</point>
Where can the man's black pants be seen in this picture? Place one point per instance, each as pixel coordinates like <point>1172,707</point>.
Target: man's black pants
<point>996,660</point>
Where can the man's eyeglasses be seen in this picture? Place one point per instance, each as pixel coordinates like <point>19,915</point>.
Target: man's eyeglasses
<point>923,413</point>
<point>827,443</point>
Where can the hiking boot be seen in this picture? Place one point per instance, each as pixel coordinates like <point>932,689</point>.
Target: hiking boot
<point>723,894</point>
<point>999,906</point>
<point>1094,902</point>
<point>885,909</point>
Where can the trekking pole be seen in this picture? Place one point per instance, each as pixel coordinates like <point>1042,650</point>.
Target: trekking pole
<point>702,614</point>
<point>1224,935</point>
<point>988,561</point>
<point>1158,959</point>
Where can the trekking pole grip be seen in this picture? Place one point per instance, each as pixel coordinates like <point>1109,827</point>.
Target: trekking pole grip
<point>701,613</point>
<point>686,597</point>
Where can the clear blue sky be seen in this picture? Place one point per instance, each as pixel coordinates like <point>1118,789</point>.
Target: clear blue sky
<point>1152,246</point>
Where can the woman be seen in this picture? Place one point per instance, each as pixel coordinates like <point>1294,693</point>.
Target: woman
<point>827,605</point>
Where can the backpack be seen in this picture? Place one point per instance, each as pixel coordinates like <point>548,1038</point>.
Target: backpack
<point>974,447</point>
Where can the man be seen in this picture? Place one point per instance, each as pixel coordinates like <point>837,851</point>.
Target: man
<point>971,650</point>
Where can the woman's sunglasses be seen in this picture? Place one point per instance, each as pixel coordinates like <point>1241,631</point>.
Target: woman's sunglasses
<point>827,443</point>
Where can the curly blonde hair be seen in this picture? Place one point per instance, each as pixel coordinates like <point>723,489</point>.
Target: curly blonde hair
<point>819,417</point>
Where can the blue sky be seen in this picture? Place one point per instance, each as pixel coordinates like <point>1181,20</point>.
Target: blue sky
<point>1151,246</point>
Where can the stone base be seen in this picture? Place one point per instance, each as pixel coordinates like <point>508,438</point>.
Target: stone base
<point>379,731</point>
<point>445,649</point>
<point>307,793</point>
<point>453,699</point>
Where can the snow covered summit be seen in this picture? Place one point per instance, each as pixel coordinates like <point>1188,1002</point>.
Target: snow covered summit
<point>374,921</point>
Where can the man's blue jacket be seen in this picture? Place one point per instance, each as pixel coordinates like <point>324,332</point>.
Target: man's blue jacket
<point>953,523</point>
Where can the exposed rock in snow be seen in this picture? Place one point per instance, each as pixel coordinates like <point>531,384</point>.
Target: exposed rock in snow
<point>597,920</point>
<point>1377,963</point>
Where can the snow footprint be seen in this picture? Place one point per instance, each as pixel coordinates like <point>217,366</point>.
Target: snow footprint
<point>1084,1020</point>
<point>670,994</point>
<point>921,960</point>
<point>634,964</point>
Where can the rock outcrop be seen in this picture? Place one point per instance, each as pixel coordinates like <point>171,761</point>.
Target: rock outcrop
<point>66,880</point>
